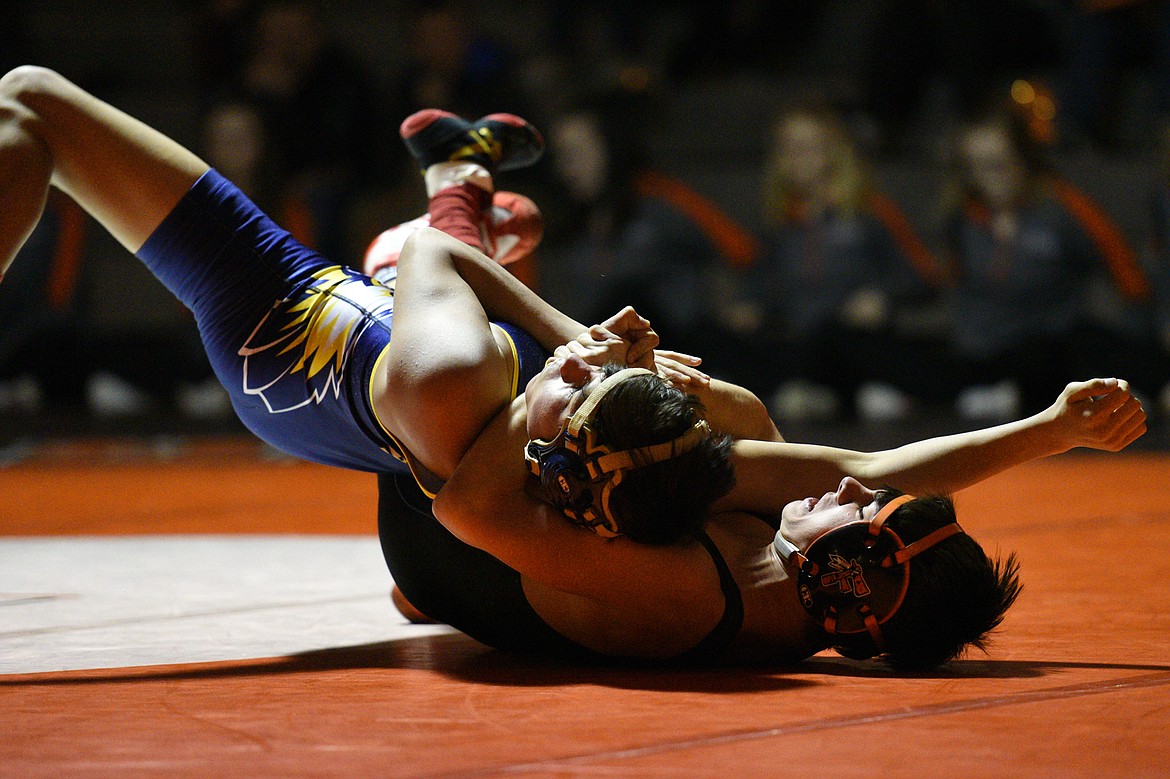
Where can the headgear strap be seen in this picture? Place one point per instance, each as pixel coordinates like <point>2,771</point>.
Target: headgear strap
<point>873,597</point>
<point>603,469</point>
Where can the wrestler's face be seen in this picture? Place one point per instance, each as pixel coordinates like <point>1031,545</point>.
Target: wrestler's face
<point>994,168</point>
<point>803,521</point>
<point>557,391</point>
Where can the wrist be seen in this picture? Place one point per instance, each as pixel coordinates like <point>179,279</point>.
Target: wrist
<point>1044,433</point>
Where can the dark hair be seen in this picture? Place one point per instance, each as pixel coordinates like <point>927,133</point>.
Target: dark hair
<point>667,501</point>
<point>957,595</point>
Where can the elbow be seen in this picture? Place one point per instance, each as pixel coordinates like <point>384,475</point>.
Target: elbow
<point>456,516</point>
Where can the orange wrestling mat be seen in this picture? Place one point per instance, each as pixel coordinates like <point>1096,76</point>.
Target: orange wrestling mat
<point>209,610</point>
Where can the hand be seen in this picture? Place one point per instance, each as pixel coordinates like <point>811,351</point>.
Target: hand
<point>635,329</point>
<point>679,369</point>
<point>1099,414</point>
<point>598,346</point>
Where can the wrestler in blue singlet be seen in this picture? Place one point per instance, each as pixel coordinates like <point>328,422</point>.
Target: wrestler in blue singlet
<point>294,338</point>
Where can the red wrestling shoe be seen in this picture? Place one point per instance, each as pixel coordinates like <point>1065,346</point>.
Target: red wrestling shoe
<point>511,228</point>
<point>498,142</point>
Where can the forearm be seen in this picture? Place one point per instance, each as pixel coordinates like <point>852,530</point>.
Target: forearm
<point>950,463</point>
<point>769,475</point>
<point>505,298</point>
<point>735,411</point>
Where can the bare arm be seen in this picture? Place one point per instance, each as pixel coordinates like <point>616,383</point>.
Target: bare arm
<point>502,295</point>
<point>1099,414</point>
<point>485,504</point>
<point>735,411</point>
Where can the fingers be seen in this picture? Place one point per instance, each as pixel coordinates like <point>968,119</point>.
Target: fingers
<point>635,329</point>
<point>1118,419</point>
<point>681,357</point>
<point>1130,423</point>
<point>1083,390</point>
<point>642,348</point>
<point>1134,429</point>
<point>680,368</point>
<point>627,321</point>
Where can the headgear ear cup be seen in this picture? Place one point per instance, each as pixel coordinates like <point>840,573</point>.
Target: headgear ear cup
<point>843,582</point>
<point>563,479</point>
<point>578,474</point>
<point>854,578</point>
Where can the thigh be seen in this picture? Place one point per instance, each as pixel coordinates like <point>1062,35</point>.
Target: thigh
<point>446,374</point>
<point>127,175</point>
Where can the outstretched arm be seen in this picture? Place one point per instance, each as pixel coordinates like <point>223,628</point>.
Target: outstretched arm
<point>1099,414</point>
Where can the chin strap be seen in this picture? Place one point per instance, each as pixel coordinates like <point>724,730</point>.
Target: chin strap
<point>899,557</point>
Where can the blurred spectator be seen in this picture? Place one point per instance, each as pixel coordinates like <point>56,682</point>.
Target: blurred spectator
<point>452,66</point>
<point>324,127</point>
<point>1030,252</point>
<point>630,234</point>
<point>969,48</point>
<point>235,144</point>
<point>841,265</point>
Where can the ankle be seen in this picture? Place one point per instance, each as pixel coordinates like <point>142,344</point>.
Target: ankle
<point>442,175</point>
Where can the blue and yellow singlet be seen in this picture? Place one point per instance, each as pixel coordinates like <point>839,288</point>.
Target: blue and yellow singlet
<point>294,338</point>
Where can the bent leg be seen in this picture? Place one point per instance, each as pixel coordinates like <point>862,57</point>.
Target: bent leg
<point>446,375</point>
<point>125,174</point>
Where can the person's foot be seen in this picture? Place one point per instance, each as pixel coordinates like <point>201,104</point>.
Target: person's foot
<point>408,609</point>
<point>498,142</point>
<point>511,228</point>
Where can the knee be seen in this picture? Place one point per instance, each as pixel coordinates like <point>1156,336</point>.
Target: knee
<point>30,93</point>
<point>20,83</point>
<point>22,88</point>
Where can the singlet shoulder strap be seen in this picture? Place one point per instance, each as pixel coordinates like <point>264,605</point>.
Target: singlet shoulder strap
<point>721,636</point>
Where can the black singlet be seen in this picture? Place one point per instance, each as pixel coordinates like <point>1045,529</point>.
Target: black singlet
<point>475,593</point>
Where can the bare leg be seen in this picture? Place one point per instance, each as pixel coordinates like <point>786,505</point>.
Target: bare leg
<point>446,375</point>
<point>125,174</point>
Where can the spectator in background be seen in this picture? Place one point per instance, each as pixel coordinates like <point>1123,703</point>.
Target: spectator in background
<point>1029,251</point>
<point>841,263</point>
<point>628,232</point>
<point>451,66</point>
<point>322,120</point>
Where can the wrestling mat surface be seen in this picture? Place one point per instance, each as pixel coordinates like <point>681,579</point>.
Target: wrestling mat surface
<point>209,610</point>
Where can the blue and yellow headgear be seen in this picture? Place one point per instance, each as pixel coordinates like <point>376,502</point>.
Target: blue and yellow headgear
<point>578,475</point>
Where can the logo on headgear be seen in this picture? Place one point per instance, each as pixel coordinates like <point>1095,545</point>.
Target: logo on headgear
<point>578,474</point>
<point>848,575</point>
<point>858,591</point>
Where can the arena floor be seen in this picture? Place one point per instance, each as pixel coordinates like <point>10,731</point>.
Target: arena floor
<point>178,608</point>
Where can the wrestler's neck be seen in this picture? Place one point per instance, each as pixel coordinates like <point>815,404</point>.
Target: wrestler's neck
<point>776,628</point>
